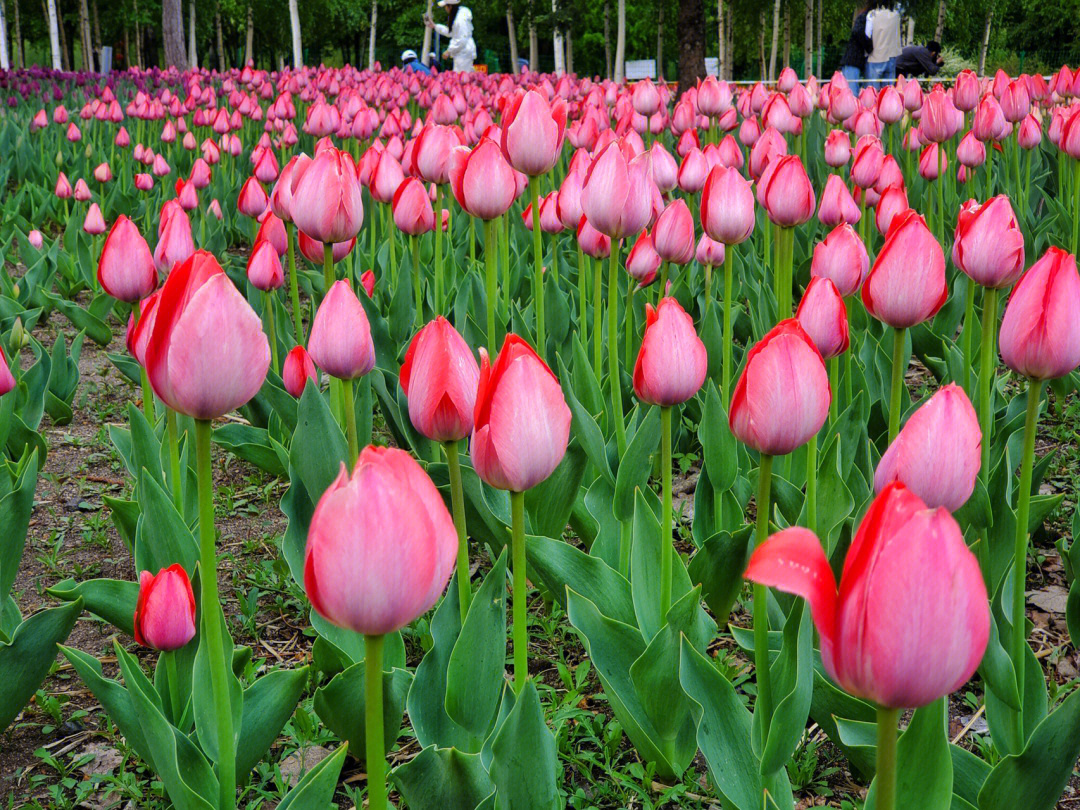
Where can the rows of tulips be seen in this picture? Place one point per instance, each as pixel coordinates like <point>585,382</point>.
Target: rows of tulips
<point>451,299</point>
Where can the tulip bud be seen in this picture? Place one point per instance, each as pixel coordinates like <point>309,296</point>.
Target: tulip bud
<point>837,205</point>
<point>907,283</point>
<point>643,261</point>
<point>533,132</point>
<point>7,379</point>
<point>94,223</point>
<point>823,315</point>
<point>787,193</point>
<point>672,362</point>
<point>340,341</point>
<point>297,369</point>
<point>165,611</point>
<point>326,200</point>
<point>412,209</point>
<point>252,200</point>
<point>988,244</point>
<point>727,206</point>
<point>673,235</point>
<point>126,267</point>
<point>440,377</point>
<point>264,267</point>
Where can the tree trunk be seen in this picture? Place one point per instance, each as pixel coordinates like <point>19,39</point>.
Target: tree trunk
<point>138,36</point>
<point>729,48</point>
<point>787,36</point>
<point>84,37</point>
<point>5,63</point>
<point>220,41</point>
<point>721,39</point>
<point>808,39</point>
<point>690,25</point>
<point>97,31</point>
<point>18,54</point>
<point>193,56</point>
<point>939,29</point>
<point>820,41</point>
<point>607,41</point>
<point>557,37</point>
<point>620,43</point>
<point>297,45</point>
<point>424,58</point>
<point>249,36</point>
<point>511,32</point>
<point>985,41</point>
<point>775,39</point>
<point>127,47</point>
<point>660,39</point>
<point>172,34</point>
<point>534,48</point>
<point>569,51</point>
<point>371,36</point>
<point>761,46</point>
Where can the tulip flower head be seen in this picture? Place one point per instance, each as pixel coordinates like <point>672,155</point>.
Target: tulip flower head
<point>672,362</point>
<point>165,610</point>
<point>440,377</point>
<point>297,369</point>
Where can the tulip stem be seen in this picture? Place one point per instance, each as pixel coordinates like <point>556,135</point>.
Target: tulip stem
<point>729,261</point>
<point>987,373</point>
<point>614,376</point>
<point>761,606</point>
<point>628,327</point>
<point>598,308</point>
<point>1076,204</point>
<point>417,281</point>
<point>504,228</point>
<point>438,251</point>
<point>328,267</point>
<point>271,331</point>
<point>521,631</point>
<point>898,369</point>
<point>707,290</point>
<point>941,192</point>
<point>886,758</point>
<point>667,547</point>
<point>663,281</point>
<point>174,459</point>
<point>457,500</point>
<point>374,747</point>
<point>1023,506</point>
<point>294,289</point>
<point>582,297</point>
<point>374,219</point>
<point>834,383</point>
<point>492,288</point>
<point>211,621</point>
<point>965,336</point>
<point>168,658</point>
<point>811,483</point>
<point>349,407</point>
<point>538,261</point>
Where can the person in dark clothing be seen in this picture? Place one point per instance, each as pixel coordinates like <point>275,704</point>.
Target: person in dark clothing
<point>920,60</point>
<point>853,64</point>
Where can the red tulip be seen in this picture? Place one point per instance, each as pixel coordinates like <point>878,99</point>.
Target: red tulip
<point>165,610</point>
<point>532,132</point>
<point>893,202</point>
<point>521,424</point>
<point>340,341</point>
<point>783,396</point>
<point>381,545</point>
<point>672,361</point>
<point>823,315</point>
<point>907,283</point>
<point>272,230</point>
<point>727,206</point>
<point>297,369</point>
<point>937,454</point>
<point>206,352</point>
<point>643,261</point>
<point>869,157</point>
<point>1040,332</point>
<point>367,281</point>
<point>412,209</point>
<point>988,244</point>
<point>440,377</point>
<point>911,619</point>
<point>788,196</point>
<point>126,267</point>
<point>326,201</point>
<point>673,234</point>
<point>592,242</point>
<point>617,196</point>
<point>264,267</point>
<point>837,205</point>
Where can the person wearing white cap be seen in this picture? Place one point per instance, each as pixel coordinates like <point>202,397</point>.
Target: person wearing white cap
<point>461,49</point>
<point>409,61</point>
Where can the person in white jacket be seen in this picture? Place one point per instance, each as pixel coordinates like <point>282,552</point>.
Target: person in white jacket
<point>461,49</point>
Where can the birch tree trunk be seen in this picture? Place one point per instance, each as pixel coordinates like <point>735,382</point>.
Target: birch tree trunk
<point>193,56</point>
<point>371,37</point>
<point>249,36</point>
<point>511,32</point>
<point>18,56</point>
<point>172,33</point>
<point>787,36</point>
<point>5,63</point>
<point>560,53</point>
<point>534,48</point>
<point>84,37</point>
<point>424,58</point>
<point>820,41</point>
<point>729,48</point>
<point>569,51</point>
<point>808,39</point>
<point>620,43</point>
<point>607,41</point>
<point>985,41</point>
<point>66,53</point>
<point>939,29</point>
<point>297,45</point>
<point>721,40</point>
<point>220,41</point>
<point>775,39</point>
<point>660,39</point>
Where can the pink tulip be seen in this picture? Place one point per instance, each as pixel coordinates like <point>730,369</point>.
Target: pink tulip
<point>272,230</point>
<point>693,171</point>
<point>727,206</point>
<point>672,361</point>
<point>126,267</point>
<point>787,192</point>
<point>165,610</point>
<point>326,200</point>
<point>175,243</point>
<point>102,173</point>
<point>312,250</point>
<point>1040,333</point>
<point>144,181</point>
<point>937,454</point>
<point>7,379</point>
<point>937,123</point>
<point>966,91</point>
<point>381,545</point>
<point>783,396</point>
<point>412,209</point>
<point>367,282</point>
<point>617,196</point>
<point>431,153</point>
<point>340,342</point>
<point>35,239</point>
<point>281,196</point>
<point>206,353</point>
<point>482,181</point>
<point>911,620</point>
<point>264,267</point>
<point>643,261</point>
<point>933,162</point>
<point>440,377</point>
<point>988,245</point>
<point>837,205</point>
<point>297,369</point>
<point>94,223</point>
<point>907,283</point>
<point>869,158</point>
<point>63,187</point>
<point>532,132</point>
<point>971,152</point>
<point>709,252</point>
<point>252,200</point>
<point>664,169</point>
<point>842,258</point>
<point>823,316</point>
<point>673,234</point>
<point>988,120</point>
<point>1029,135</point>
<point>893,202</point>
<point>837,148</point>
<point>592,242</point>
<point>521,424</point>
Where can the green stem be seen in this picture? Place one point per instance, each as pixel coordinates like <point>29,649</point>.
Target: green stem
<point>811,483</point>
<point>328,267</point>
<point>438,252</point>
<point>271,331</point>
<point>965,336</point>
<point>521,630</point>
<point>614,373</point>
<point>147,391</point>
<point>708,289</point>
<point>628,327</point>
<point>662,286</point>
<point>886,758</point>
<point>348,405</point>
<point>1023,507</point>
<point>1076,204</point>
<point>582,297</point>
<point>457,500</point>
<point>418,281</point>
<point>504,227</point>
<point>729,261</point>
<point>834,383</point>
<point>598,308</point>
<point>211,624</point>
<point>174,459</point>
<point>940,183</point>
<point>374,245</point>
<point>1026,189</point>
<point>492,289</point>
<point>168,657</point>
<point>987,373</point>
<point>785,240</point>
<point>374,747</point>
<point>666,539</point>
<point>989,170</point>
<point>897,382</point>
<point>761,607</point>
<point>538,268</point>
